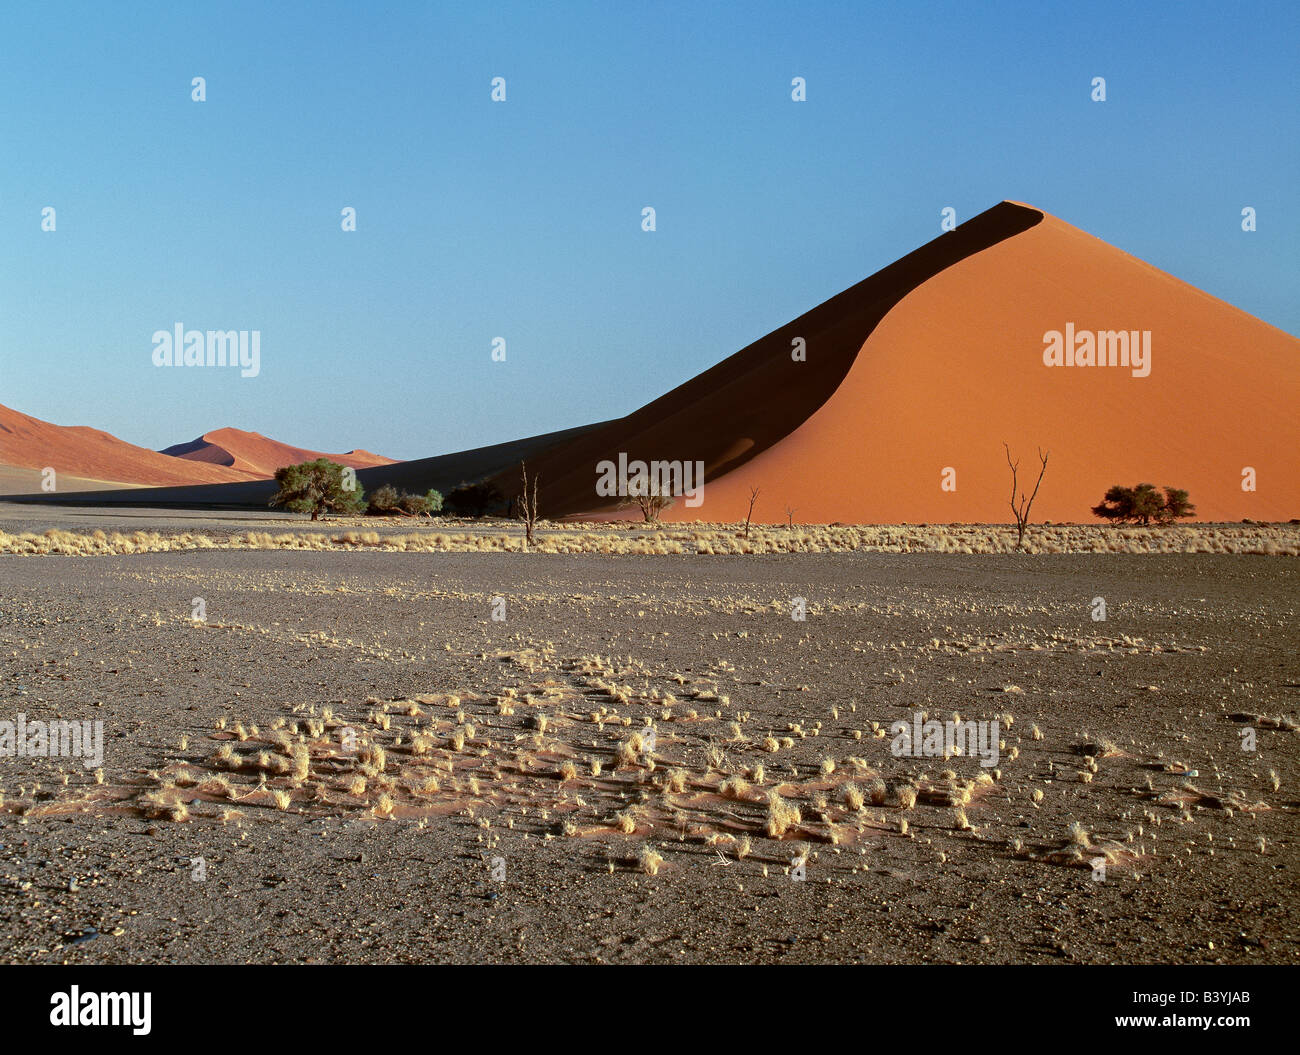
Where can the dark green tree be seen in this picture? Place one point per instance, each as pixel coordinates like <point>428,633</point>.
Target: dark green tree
<point>1144,504</point>
<point>318,487</point>
<point>1176,506</point>
<point>475,499</point>
<point>413,505</point>
<point>384,499</point>
<point>1147,503</point>
<point>387,500</point>
<point>1117,505</point>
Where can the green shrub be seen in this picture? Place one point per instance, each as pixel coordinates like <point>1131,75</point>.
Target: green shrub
<point>318,487</point>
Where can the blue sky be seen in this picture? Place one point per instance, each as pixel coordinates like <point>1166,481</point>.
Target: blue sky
<point>522,219</point>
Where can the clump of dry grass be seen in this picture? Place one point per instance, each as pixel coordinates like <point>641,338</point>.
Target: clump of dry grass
<point>854,799</point>
<point>629,751</point>
<point>781,815</point>
<point>904,796</point>
<point>648,860</point>
<point>734,788</point>
<point>216,785</point>
<point>158,803</point>
<point>274,764</point>
<point>300,759</point>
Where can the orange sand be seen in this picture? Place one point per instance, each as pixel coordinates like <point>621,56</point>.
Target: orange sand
<point>255,454</point>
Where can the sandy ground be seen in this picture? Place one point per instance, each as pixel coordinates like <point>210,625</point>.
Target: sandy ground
<point>478,845</point>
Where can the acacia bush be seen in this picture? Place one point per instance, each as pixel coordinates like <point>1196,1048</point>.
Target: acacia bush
<point>317,487</point>
<point>1144,504</point>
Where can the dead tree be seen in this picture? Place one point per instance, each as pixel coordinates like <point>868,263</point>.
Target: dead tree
<point>1021,512</point>
<point>652,501</point>
<point>528,503</point>
<point>789,517</point>
<point>753,497</point>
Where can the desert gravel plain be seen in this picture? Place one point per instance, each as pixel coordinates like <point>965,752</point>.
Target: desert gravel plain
<point>347,758</point>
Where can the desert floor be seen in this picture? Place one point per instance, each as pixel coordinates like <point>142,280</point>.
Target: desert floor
<point>246,815</point>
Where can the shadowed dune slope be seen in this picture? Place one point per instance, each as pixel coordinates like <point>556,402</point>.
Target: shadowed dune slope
<point>78,451</point>
<point>15,481</point>
<point>251,452</point>
<point>752,401</point>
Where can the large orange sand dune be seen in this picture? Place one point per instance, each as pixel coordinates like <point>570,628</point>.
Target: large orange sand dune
<point>933,362</point>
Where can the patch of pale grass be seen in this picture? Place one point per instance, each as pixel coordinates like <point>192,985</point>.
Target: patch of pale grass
<point>703,539</point>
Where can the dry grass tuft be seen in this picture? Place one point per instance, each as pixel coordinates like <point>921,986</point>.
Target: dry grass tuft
<point>781,816</point>
<point>648,860</point>
<point>734,788</point>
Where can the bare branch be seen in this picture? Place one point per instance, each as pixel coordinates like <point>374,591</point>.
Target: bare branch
<point>528,503</point>
<point>1021,511</point>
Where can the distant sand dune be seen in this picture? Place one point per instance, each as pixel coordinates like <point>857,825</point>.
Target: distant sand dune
<point>442,472</point>
<point>251,452</point>
<point>78,451</point>
<point>87,459</point>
